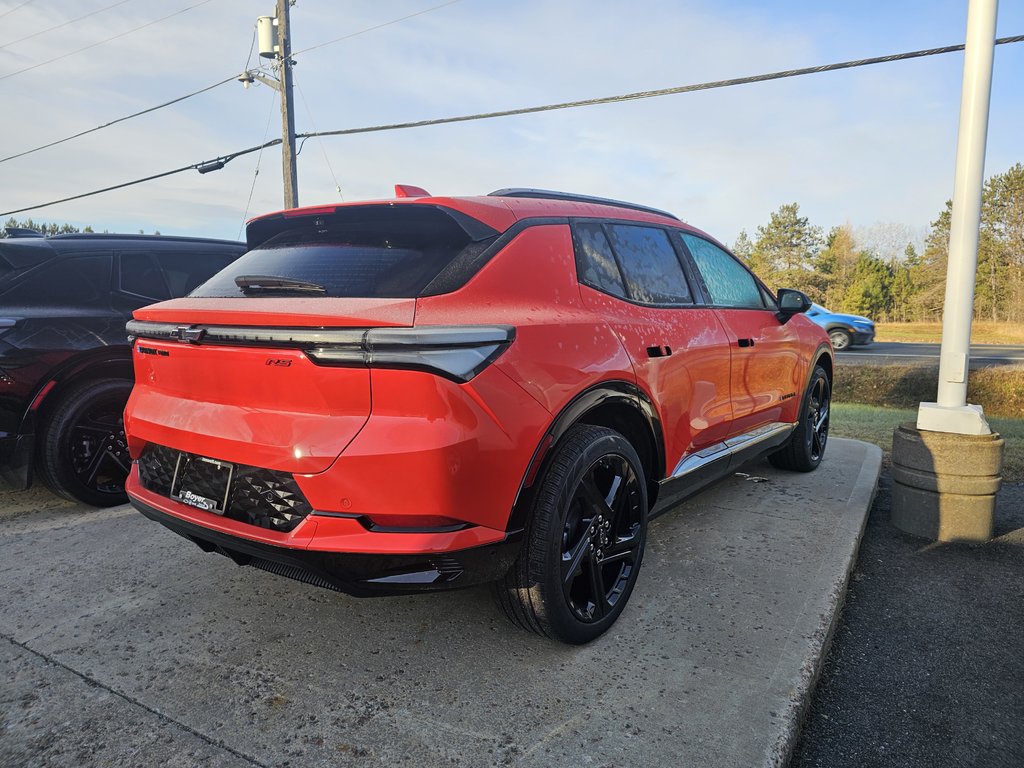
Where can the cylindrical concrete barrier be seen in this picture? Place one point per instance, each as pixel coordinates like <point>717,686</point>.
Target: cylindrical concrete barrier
<point>945,484</point>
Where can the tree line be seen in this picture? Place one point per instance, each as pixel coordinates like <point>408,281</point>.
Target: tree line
<point>836,271</point>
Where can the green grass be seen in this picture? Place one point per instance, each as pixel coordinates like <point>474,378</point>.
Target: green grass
<point>982,332</point>
<point>873,424</point>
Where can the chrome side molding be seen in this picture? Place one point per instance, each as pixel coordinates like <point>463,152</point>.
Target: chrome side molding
<point>726,448</point>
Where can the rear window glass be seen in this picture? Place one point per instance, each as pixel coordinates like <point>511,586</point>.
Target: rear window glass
<point>378,252</point>
<point>75,282</point>
<point>595,262</point>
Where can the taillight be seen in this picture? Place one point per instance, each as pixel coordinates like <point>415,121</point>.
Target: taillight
<point>455,352</point>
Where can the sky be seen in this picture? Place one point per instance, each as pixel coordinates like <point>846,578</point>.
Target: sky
<point>872,147</point>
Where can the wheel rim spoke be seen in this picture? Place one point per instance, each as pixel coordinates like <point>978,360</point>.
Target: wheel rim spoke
<point>601,538</point>
<point>597,588</point>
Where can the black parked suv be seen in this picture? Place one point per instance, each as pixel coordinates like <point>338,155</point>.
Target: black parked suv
<point>65,364</point>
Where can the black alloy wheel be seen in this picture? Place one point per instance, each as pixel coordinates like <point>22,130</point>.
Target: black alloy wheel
<point>84,451</point>
<point>585,540</point>
<point>601,538</point>
<point>818,408</point>
<point>806,446</point>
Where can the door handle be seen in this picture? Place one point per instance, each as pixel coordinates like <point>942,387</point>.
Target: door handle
<point>663,350</point>
<point>745,342</point>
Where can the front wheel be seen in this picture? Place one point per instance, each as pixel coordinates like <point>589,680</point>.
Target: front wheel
<point>585,540</point>
<point>806,446</point>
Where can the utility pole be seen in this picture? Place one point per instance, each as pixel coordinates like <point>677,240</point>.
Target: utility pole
<point>288,163</point>
<point>275,42</point>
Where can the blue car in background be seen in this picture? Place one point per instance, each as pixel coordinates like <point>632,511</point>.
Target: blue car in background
<point>843,330</point>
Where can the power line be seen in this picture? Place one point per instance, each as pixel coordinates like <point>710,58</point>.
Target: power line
<point>220,162</point>
<point>662,91</point>
<point>101,42</point>
<point>63,24</point>
<point>371,29</point>
<point>12,10</point>
<point>118,120</point>
<point>201,90</point>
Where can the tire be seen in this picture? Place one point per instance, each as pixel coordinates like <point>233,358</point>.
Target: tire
<point>83,454</point>
<point>582,552</point>
<point>806,446</point>
<point>840,339</point>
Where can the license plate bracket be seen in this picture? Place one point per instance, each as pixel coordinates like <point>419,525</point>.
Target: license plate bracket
<point>202,482</point>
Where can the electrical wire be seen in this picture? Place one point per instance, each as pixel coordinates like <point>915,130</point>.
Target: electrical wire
<point>256,173</point>
<point>371,29</point>
<point>663,91</point>
<point>63,24</point>
<point>323,149</point>
<point>12,10</point>
<point>210,87</point>
<point>118,120</point>
<point>101,42</point>
<point>221,161</point>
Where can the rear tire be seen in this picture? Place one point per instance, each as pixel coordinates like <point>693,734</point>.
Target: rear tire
<point>806,446</point>
<point>83,454</point>
<point>584,542</point>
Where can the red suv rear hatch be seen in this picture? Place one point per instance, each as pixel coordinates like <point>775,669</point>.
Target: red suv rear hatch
<point>241,390</point>
<point>233,371</point>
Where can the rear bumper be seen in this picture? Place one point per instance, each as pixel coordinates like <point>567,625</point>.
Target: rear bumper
<point>358,574</point>
<point>16,460</point>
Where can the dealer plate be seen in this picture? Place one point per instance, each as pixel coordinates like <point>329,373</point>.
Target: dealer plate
<point>202,483</point>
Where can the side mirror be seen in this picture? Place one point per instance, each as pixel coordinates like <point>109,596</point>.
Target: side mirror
<point>792,303</point>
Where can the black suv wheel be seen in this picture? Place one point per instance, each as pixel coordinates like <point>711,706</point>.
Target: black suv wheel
<point>585,541</point>
<point>83,454</point>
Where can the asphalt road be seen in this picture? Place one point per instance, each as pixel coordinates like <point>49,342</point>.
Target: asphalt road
<point>899,353</point>
<point>926,664</point>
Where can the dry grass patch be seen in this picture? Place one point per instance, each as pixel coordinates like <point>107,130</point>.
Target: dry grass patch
<point>982,332</point>
<point>999,390</point>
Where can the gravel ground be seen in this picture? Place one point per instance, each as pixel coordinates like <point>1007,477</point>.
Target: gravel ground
<point>927,665</point>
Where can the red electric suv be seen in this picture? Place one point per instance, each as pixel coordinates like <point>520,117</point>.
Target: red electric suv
<point>432,392</point>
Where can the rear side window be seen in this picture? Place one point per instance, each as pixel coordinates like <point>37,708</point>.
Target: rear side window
<point>369,252</point>
<point>75,282</point>
<point>595,262</point>
<point>140,275</point>
<point>184,272</point>
<point>650,264</point>
<point>728,282</point>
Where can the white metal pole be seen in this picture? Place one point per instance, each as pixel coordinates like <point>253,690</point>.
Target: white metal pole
<point>966,218</point>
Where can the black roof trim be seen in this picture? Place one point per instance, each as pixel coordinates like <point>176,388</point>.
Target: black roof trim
<point>22,232</point>
<point>547,194</point>
<point>145,238</point>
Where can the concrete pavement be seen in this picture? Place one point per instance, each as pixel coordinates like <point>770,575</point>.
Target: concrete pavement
<point>122,644</point>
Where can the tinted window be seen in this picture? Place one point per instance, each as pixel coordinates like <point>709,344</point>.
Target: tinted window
<point>74,282</point>
<point>373,252</point>
<point>650,265</point>
<point>728,281</point>
<point>184,272</point>
<point>595,262</point>
<point>140,275</point>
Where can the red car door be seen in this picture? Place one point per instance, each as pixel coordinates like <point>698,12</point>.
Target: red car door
<point>767,363</point>
<point>632,276</point>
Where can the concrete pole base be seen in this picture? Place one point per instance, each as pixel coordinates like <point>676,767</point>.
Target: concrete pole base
<point>945,484</point>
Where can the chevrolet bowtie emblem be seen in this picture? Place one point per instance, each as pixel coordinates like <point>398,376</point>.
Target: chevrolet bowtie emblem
<point>188,334</point>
